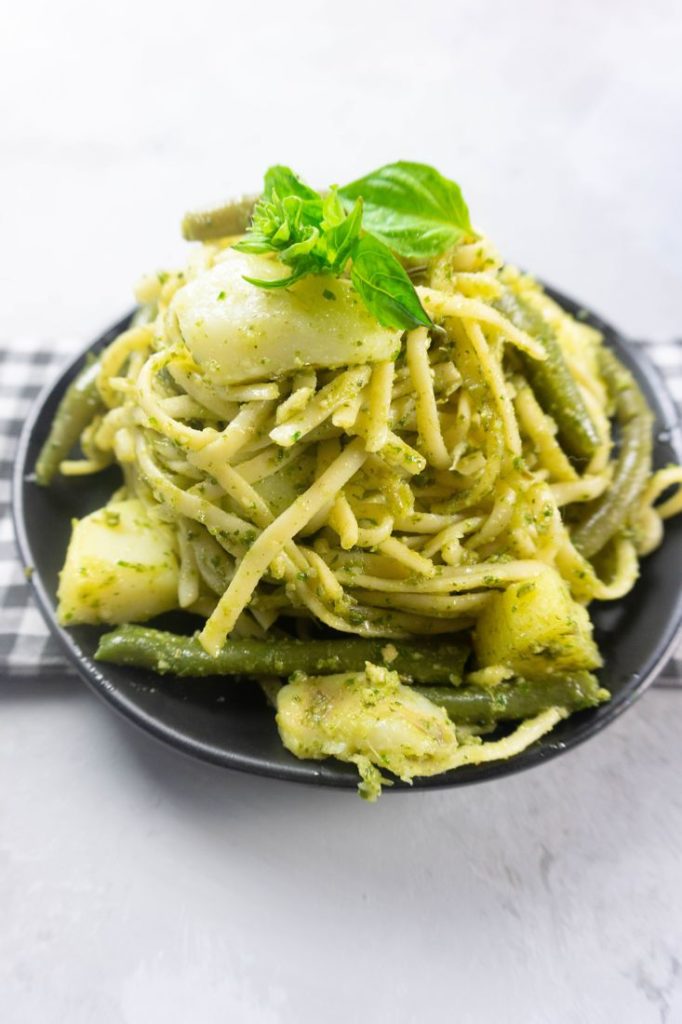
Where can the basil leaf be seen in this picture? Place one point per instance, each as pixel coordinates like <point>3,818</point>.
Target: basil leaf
<point>279,282</point>
<point>411,208</point>
<point>282,181</point>
<point>384,287</point>
<point>254,242</point>
<point>341,238</point>
<point>332,209</point>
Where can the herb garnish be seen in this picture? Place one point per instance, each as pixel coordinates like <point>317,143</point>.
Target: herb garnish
<point>404,208</point>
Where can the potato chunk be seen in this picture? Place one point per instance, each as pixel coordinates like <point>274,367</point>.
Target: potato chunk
<point>535,628</point>
<point>121,566</point>
<point>238,332</point>
<point>368,718</point>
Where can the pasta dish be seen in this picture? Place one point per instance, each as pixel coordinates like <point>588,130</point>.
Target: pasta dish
<point>386,471</point>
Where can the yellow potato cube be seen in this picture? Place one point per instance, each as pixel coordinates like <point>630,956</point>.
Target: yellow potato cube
<point>121,566</point>
<point>536,628</point>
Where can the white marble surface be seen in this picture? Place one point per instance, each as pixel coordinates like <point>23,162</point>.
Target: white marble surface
<point>137,886</point>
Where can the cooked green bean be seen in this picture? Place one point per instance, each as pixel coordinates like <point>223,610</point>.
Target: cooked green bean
<point>219,222</point>
<point>184,656</point>
<point>78,406</point>
<point>552,381</point>
<point>471,705</point>
<point>609,513</point>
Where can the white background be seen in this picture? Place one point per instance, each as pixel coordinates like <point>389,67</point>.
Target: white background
<point>137,886</point>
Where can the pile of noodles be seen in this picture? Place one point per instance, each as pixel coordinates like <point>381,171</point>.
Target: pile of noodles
<point>387,499</point>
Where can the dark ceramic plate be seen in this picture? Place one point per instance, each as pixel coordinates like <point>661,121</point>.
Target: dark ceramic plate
<point>228,723</point>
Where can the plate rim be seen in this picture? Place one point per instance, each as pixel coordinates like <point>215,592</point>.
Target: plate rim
<point>318,772</point>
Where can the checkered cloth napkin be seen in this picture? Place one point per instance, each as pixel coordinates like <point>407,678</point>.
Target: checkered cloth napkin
<point>26,367</point>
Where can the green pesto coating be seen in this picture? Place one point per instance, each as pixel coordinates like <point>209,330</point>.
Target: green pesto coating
<point>609,513</point>
<point>554,386</point>
<point>522,698</point>
<point>168,653</point>
<point>220,222</point>
<point>80,403</point>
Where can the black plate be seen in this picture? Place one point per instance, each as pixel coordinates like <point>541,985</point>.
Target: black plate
<point>228,723</point>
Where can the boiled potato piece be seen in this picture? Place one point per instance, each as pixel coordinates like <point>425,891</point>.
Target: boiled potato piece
<point>238,332</point>
<point>536,628</point>
<point>121,566</point>
<point>368,718</point>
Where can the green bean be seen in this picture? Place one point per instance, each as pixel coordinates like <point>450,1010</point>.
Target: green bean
<point>80,403</point>
<point>522,698</point>
<point>219,222</point>
<point>552,381</point>
<point>609,513</point>
<point>164,652</point>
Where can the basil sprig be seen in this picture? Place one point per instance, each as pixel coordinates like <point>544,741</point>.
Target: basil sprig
<point>310,233</point>
<point>403,208</point>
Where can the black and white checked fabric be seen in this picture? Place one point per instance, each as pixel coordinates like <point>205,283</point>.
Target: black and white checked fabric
<point>26,647</point>
<point>26,366</point>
